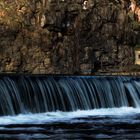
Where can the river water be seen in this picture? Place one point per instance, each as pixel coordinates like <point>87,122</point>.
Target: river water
<point>69,107</point>
<point>110,123</point>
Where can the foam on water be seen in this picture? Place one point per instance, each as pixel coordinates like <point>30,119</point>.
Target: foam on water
<point>40,94</point>
<point>59,116</point>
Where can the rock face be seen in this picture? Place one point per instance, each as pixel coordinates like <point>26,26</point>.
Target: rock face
<point>67,36</point>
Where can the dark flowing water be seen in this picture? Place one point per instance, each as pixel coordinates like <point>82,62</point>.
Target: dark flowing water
<point>68,107</point>
<point>116,123</point>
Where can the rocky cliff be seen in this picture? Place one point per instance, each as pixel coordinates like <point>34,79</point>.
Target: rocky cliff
<point>68,36</point>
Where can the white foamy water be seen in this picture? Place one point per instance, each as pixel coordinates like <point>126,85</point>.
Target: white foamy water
<point>58,116</point>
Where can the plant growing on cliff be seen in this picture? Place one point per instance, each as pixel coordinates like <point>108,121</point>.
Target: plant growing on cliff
<point>137,46</point>
<point>136,25</point>
<point>9,14</point>
<point>14,12</point>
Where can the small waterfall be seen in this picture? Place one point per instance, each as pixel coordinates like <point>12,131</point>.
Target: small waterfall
<point>36,94</point>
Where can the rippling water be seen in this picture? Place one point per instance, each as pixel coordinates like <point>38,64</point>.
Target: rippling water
<point>120,123</point>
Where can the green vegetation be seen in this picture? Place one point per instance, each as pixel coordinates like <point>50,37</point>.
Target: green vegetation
<point>137,46</point>
<point>115,1</point>
<point>136,25</point>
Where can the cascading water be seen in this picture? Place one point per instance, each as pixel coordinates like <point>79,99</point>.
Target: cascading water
<point>36,94</point>
<point>69,107</point>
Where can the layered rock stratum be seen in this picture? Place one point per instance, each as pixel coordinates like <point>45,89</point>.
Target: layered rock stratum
<point>68,36</point>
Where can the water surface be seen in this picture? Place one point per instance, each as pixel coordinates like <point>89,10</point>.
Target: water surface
<point>111,123</point>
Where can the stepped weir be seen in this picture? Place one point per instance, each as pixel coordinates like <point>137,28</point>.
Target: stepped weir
<point>38,94</point>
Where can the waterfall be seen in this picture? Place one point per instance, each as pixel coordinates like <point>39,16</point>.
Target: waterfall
<point>36,94</point>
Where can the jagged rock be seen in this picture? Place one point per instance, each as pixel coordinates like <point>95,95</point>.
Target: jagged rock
<point>67,36</point>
